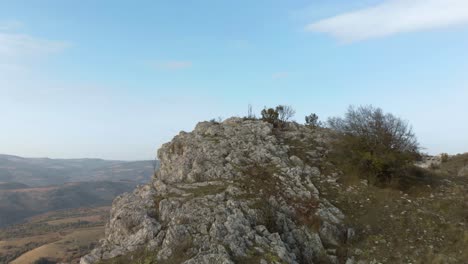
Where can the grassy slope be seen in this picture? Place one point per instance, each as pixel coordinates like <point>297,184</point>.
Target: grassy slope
<point>456,166</point>
<point>424,225</point>
<point>69,249</point>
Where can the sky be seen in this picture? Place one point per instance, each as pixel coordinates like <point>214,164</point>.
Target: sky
<point>116,79</point>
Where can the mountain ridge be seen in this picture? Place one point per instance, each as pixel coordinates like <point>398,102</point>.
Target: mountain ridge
<point>45,171</point>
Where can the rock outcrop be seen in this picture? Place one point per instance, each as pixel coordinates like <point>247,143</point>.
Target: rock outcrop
<point>239,191</point>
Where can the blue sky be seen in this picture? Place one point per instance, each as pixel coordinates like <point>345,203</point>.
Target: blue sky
<point>116,79</point>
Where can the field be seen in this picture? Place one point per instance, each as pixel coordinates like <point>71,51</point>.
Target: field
<point>69,248</point>
<point>63,235</point>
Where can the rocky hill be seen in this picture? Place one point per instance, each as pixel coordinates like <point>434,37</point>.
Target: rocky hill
<point>232,192</point>
<point>242,191</point>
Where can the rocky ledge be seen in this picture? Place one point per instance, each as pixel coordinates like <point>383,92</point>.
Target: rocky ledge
<point>239,191</point>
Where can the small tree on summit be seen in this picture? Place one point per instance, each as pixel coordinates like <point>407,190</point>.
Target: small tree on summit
<point>312,120</point>
<point>278,116</point>
<point>270,115</point>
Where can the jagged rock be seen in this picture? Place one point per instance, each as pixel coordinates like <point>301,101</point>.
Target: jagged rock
<point>228,192</point>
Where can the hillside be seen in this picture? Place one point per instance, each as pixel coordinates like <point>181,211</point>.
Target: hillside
<point>18,204</point>
<point>37,172</point>
<point>12,185</point>
<point>243,191</point>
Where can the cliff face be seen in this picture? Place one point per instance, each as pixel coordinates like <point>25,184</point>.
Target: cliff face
<point>232,192</point>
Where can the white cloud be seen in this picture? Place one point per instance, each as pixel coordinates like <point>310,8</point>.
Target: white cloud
<point>172,65</point>
<point>393,17</point>
<point>280,75</point>
<point>18,52</point>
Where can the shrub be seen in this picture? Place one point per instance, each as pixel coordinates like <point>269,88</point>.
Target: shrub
<point>376,145</point>
<point>312,120</point>
<point>271,116</point>
<point>444,157</point>
<point>278,116</point>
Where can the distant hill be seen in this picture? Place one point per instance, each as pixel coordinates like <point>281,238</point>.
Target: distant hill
<point>38,172</point>
<point>18,204</point>
<point>12,185</point>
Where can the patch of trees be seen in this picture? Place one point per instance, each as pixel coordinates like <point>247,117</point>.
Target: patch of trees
<point>367,142</point>
<point>376,145</point>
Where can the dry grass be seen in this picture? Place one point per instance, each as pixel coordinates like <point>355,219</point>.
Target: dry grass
<point>455,166</point>
<point>69,248</point>
<point>424,225</point>
<point>59,234</point>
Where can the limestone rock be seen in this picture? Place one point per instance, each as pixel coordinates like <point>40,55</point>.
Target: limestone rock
<point>229,192</point>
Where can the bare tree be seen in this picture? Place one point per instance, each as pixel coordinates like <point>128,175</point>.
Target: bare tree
<point>379,144</point>
<point>377,127</point>
<point>250,114</point>
<point>285,112</point>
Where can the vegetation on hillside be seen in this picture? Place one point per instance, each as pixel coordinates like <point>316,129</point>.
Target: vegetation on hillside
<point>375,145</point>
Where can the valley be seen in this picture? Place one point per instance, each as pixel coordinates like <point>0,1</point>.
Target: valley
<point>63,235</point>
<point>57,208</point>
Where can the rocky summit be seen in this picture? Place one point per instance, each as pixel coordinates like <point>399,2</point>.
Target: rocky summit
<point>238,191</point>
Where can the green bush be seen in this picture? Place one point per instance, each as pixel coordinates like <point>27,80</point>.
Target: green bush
<point>278,116</point>
<point>312,120</point>
<point>271,116</point>
<point>376,145</point>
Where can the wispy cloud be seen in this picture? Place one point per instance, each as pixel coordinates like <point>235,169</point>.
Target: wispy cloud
<point>393,17</point>
<point>18,50</point>
<point>21,53</point>
<point>172,65</point>
<point>280,75</point>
